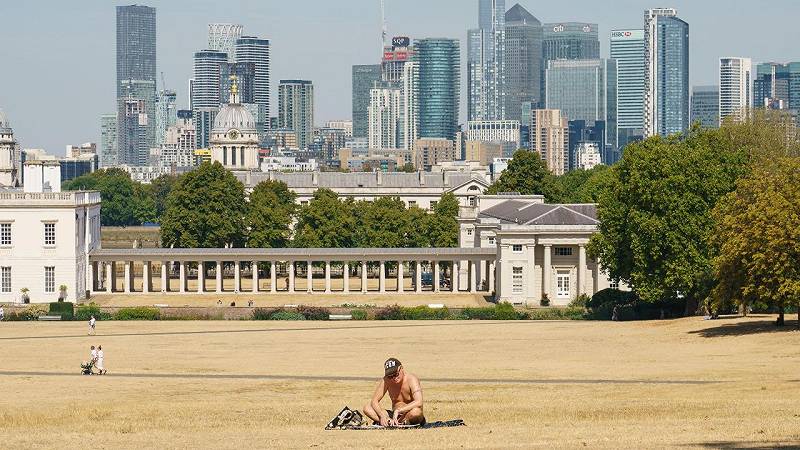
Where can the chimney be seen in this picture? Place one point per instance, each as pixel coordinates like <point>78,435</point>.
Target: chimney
<point>421,178</point>
<point>52,175</point>
<point>379,177</point>
<point>315,178</point>
<point>34,176</point>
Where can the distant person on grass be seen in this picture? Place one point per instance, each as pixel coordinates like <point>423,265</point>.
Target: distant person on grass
<point>100,364</point>
<point>93,359</point>
<point>92,321</point>
<point>404,391</point>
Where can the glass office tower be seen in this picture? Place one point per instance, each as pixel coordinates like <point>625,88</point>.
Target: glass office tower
<point>523,62</point>
<point>705,106</point>
<point>486,51</point>
<point>627,49</point>
<point>364,78</point>
<point>439,87</point>
<point>666,101</point>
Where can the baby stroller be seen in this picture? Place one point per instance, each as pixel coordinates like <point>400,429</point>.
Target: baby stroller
<point>86,368</point>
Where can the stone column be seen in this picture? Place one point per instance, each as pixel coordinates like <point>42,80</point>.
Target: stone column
<point>400,276</point>
<point>128,276</point>
<point>346,277</point>
<point>201,277</point>
<point>110,277</point>
<point>254,269</point>
<point>382,278</point>
<point>529,286</point>
<point>490,284</point>
<point>547,269</point>
<point>327,277</point>
<point>581,269</point>
<point>182,271</point>
<point>273,277</point>
<point>164,276</point>
<point>237,280</point>
<point>291,276</point>
<point>472,277</point>
<point>454,278</point>
<point>436,276</point>
<point>418,277</point>
<point>146,277</point>
<point>364,277</point>
<point>92,282</point>
<point>219,276</point>
<point>310,276</point>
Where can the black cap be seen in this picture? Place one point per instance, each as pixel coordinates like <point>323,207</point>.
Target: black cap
<point>391,366</point>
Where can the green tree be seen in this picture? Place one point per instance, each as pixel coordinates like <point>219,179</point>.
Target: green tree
<point>582,186</point>
<point>442,225</point>
<point>159,190</point>
<point>527,174</point>
<point>408,168</point>
<point>655,215</point>
<point>325,222</point>
<point>269,215</point>
<point>119,207</point>
<point>144,205</point>
<point>385,223</point>
<point>757,236</point>
<point>206,208</point>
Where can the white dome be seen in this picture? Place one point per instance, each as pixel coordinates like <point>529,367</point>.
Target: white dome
<point>234,116</point>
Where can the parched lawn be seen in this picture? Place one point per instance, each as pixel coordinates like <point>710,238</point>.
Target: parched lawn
<point>732,383</point>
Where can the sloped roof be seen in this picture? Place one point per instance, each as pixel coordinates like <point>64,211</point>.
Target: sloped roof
<point>523,213</point>
<point>520,15</point>
<point>391,180</point>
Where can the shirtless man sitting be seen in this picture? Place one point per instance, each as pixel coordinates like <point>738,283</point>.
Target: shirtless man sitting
<point>404,391</point>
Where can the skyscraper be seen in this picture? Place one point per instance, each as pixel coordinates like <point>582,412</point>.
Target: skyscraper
<point>523,61</point>
<point>395,57</point>
<point>627,49</point>
<point>206,91</point>
<point>666,96</point>
<point>705,106</point>
<point>364,79</point>
<point>166,113</point>
<point>409,112</point>
<point>549,135</point>
<point>256,51</point>
<point>296,109</point>
<point>577,88</point>
<point>136,44</point>
<point>439,87</point>
<point>570,40</point>
<point>136,77</point>
<point>777,86</point>
<point>133,148</point>
<point>485,67</point>
<point>735,87</point>
<point>384,117</point>
<point>108,140</point>
<point>222,38</point>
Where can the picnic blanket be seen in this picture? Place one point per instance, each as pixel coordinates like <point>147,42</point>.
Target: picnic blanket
<point>349,419</point>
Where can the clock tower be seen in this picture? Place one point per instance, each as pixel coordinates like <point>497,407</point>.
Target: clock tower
<point>234,138</point>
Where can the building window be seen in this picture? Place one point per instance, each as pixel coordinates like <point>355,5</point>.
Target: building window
<point>472,201</point>
<point>516,280</point>
<point>563,251</point>
<point>50,279</point>
<point>412,203</point>
<point>491,240</point>
<point>303,203</point>
<point>433,203</point>
<point>5,234</point>
<point>516,248</point>
<point>5,279</point>
<point>614,284</point>
<point>49,234</point>
<point>469,231</point>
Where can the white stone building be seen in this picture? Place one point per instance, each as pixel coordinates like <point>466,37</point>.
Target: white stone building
<point>384,118</point>
<point>541,248</point>
<point>234,139</point>
<point>587,155</point>
<point>9,154</point>
<point>45,239</point>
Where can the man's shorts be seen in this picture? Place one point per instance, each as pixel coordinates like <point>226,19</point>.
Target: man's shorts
<point>391,414</point>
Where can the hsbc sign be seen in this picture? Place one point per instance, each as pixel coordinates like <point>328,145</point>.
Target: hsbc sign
<point>627,34</point>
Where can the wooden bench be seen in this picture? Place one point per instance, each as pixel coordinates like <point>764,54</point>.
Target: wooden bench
<point>49,318</point>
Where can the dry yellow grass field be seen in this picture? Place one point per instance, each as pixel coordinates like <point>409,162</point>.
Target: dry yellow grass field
<point>732,383</point>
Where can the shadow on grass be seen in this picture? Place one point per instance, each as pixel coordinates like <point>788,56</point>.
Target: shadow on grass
<point>746,328</point>
<point>747,445</point>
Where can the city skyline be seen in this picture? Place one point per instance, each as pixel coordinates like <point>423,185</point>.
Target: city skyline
<point>86,78</point>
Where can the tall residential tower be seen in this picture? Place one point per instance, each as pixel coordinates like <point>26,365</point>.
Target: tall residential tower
<point>485,67</point>
<point>735,87</point>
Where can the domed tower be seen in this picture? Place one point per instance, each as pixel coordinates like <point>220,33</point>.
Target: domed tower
<point>8,154</point>
<point>234,138</point>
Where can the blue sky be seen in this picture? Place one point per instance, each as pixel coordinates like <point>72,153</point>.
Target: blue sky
<point>57,58</point>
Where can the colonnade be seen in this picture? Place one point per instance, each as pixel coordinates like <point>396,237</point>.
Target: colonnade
<point>441,276</point>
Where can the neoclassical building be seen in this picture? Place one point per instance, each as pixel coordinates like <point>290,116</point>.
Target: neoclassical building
<point>8,154</point>
<point>234,138</point>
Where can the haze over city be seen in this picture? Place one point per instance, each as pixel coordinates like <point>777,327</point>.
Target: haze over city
<point>59,58</point>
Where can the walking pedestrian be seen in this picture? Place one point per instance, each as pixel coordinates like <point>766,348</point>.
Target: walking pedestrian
<point>100,364</point>
<point>2,313</point>
<point>91,325</point>
<point>92,359</point>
